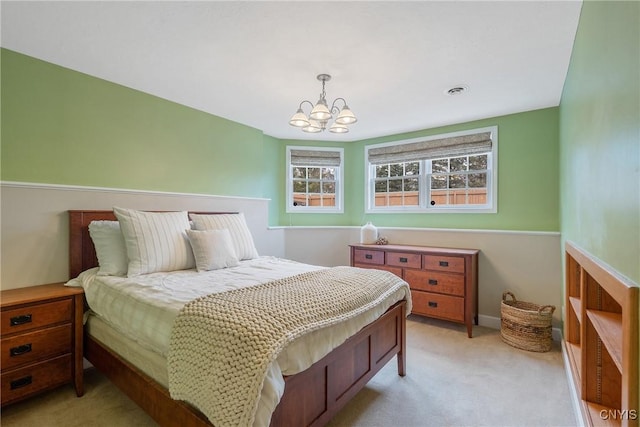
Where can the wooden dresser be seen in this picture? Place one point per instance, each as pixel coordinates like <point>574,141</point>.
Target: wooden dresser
<point>41,343</point>
<point>443,281</point>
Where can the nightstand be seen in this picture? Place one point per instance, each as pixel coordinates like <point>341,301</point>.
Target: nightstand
<point>41,345</point>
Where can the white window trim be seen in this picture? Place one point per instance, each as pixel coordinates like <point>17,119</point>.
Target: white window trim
<point>339,208</point>
<point>491,207</point>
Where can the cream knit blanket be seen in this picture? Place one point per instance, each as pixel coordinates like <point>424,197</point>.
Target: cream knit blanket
<point>222,344</point>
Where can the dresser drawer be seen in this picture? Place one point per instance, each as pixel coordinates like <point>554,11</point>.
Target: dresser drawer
<point>433,281</point>
<point>35,316</point>
<point>404,260</point>
<point>366,256</point>
<point>22,382</point>
<point>451,264</point>
<point>438,305</point>
<point>37,345</point>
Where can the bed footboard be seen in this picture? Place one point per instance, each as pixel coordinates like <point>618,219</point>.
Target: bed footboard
<point>314,396</point>
<point>311,398</point>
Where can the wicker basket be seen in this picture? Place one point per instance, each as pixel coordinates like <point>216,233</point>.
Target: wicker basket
<point>526,325</point>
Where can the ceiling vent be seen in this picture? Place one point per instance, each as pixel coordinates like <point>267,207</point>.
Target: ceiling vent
<point>456,90</point>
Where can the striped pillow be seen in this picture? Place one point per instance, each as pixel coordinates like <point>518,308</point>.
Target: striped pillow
<point>237,226</point>
<point>155,241</point>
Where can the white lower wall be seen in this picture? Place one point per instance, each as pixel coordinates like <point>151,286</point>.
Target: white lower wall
<point>34,228</point>
<point>526,263</point>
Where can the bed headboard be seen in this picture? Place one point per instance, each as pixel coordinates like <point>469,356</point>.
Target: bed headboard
<point>82,254</point>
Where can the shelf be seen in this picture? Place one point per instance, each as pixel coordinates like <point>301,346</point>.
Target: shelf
<point>608,326</point>
<point>576,304</point>
<point>601,340</point>
<point>575,359</point>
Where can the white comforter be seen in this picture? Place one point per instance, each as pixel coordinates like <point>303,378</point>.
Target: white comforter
<point>144,308</point>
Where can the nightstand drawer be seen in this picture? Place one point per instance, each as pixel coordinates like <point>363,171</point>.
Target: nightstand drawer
<point>35,316</point>
<point>437,305</point>
<point>32,379</point>
<point>432,281</point>
<point>451,264</point>
<point>33,346</point>
<point>368,257</point>
<point>406,260</point>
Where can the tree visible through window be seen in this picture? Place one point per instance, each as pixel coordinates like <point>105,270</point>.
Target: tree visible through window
<point>314,186</point>
<point>459,181</point>
<point>396,184</point>
<point>314,181</point>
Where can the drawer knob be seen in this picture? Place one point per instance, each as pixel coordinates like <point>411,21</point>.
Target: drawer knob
<point>20,320</point>
<point>21,382</point>
<point>433,282</point>
<point>20,350</point>
<point>368,256</point>
<point>433,304</point>
<point>402,259</point>
<point>443,264</point>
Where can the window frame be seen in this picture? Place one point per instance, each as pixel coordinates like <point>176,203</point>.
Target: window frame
<point>424,178</point>
<point>339,182</point>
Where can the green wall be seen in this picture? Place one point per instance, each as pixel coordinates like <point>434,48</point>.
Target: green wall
<point>64,127</point>
<point>528,194</point>
<point>600,136</point>
<point>60,126</point>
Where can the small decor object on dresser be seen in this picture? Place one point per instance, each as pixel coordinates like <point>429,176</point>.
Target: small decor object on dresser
<point>525,325</point>
<point>443,281</point>
<point>41,344</point>
<point>382,241</point>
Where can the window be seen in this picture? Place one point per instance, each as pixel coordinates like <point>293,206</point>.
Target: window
<point>445,173</point>
<point>314,179</point>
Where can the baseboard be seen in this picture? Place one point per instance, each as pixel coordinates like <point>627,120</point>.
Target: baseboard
<point>494,323</point>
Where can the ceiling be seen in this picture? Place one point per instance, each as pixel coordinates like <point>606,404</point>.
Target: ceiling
<point>254,62</point>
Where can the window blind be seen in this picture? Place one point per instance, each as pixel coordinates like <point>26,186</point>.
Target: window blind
<point>432,149</point>
<point>315,158</point>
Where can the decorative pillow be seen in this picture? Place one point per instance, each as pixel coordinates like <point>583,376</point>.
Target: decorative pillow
<point>110,248</point>
<point>155,241</point>
<point>237,226</point>
<point>213,249</point>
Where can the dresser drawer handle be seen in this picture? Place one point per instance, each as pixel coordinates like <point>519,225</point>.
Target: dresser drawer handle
<point>443,264</point>
<point>20,320</point>
<point>433,304</point>
<point>368,256</point>
<point>21,382</point>
<point>402,259</point>
<point>433,282</point>
<point>20,350</point>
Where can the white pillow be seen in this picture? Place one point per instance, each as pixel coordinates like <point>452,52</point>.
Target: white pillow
<point>237,226</point>
<point>155,241</point>
<point>110,248</point>
<point>213,249</point>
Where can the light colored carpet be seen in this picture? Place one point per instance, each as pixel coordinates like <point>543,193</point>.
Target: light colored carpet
<point>451,381</point>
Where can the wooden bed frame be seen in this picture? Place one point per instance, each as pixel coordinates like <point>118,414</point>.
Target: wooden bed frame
<point>311,397</point>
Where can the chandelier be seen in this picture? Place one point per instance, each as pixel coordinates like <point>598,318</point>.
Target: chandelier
<point>321,114</point>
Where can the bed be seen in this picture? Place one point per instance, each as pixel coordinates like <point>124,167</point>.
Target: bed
<point>311,397</point>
